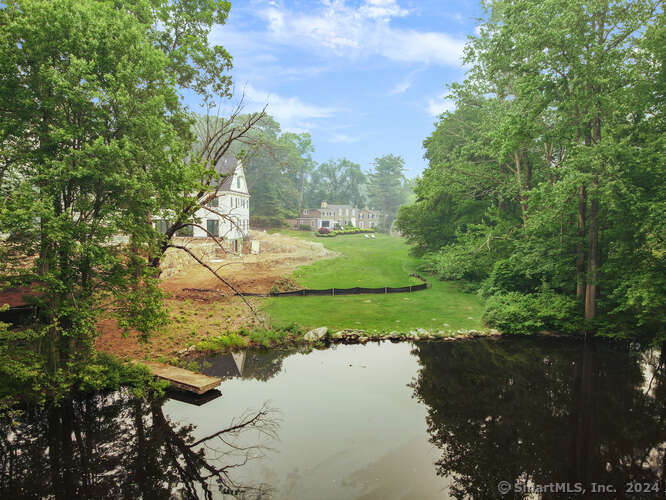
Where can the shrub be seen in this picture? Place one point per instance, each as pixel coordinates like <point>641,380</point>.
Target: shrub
<point>344,231</point>
<point>512,313</point>
<point>304,227</point>
<point>507,277</point>
<point>519,313</point>
<point>324,230</point>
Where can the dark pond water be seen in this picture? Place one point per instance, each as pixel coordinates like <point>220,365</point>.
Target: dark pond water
<point>382,421</point>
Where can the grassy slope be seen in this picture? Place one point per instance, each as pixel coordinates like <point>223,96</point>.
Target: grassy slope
<point>383,261</point>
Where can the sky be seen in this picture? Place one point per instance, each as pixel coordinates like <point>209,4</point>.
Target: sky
<point>364,77</point>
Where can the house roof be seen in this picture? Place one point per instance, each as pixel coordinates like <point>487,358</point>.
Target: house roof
<point>226,166</point>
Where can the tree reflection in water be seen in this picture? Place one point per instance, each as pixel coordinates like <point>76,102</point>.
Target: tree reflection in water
<point>540,411</point>
<point>118,446</point>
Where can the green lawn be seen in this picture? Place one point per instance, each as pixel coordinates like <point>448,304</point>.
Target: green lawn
<point>384,261</point>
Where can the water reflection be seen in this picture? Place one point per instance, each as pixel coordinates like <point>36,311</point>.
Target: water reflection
<point>118,446</point>
<point>527,411</point>
<point>260,364</point>
<point>534,412</point>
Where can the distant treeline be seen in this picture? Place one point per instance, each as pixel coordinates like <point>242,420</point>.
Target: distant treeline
<point>283,178</point>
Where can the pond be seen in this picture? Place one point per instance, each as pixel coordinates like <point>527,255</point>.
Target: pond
<point>377,421</point>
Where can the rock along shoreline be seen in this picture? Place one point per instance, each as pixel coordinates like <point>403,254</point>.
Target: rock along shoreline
<point>349,336</point>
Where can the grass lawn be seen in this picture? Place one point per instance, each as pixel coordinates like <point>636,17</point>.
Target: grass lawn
<point>383,261</point>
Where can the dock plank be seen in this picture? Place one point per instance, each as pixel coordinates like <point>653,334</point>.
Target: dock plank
<point>181,378</point>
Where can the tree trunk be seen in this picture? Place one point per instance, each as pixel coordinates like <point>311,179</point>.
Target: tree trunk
<point>517,158</point>
<point>580,246</point>
<point>592,257</point>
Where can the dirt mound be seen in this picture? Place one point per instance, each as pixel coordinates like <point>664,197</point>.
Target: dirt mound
<point>278,256</point>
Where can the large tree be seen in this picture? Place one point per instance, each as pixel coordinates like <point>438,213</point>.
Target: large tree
<point>336,181</point>
<point>93,138</point>
<point>387,186</point>
<point>555,138</point>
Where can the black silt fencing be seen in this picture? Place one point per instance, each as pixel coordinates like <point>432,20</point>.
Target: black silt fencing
<point>332,291</point>
<point>346,291</point>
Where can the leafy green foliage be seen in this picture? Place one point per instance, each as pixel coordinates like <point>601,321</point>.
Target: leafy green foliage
<point>336,182</point>
<point>278,165</point>
<point>387,186</point>
<point>548,178</point>
<point>326,233</point>
<point>94,140</point>
<point>519,313</point>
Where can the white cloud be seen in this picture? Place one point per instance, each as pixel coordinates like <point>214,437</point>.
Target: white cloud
<point>405,84</point>
<point>344,138</point>
<point>438,105</point>
<point>401,87</point>
<point>382,8</point>
<point>292,113</point>
<point>361,32</point>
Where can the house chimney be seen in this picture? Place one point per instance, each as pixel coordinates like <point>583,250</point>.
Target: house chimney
<point>323,204</point>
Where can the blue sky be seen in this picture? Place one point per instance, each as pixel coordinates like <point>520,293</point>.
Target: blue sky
<point>364,77</point>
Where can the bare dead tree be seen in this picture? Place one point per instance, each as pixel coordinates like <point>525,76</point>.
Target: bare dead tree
<point>216,135</point>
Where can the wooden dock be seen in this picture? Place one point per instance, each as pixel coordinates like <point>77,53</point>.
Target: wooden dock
<point>181,378</point>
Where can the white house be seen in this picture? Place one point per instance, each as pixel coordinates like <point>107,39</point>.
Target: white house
<point>232,222</point>
<point>329,216</point>
<point>229,214</point>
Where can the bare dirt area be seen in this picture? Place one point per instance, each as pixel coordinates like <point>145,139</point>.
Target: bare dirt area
<point>190,321</point>
<point>197,315</point>
<point>279,255</point>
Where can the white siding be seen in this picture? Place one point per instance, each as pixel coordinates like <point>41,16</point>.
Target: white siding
<point>234,205</point>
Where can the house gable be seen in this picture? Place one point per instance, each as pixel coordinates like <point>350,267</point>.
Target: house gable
<point>235,181</point>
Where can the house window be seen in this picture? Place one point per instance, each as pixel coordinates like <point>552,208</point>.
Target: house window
<point>238,182</point>
<point>213,202</point>
<point>324,223</point>
<point>213,227</point>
